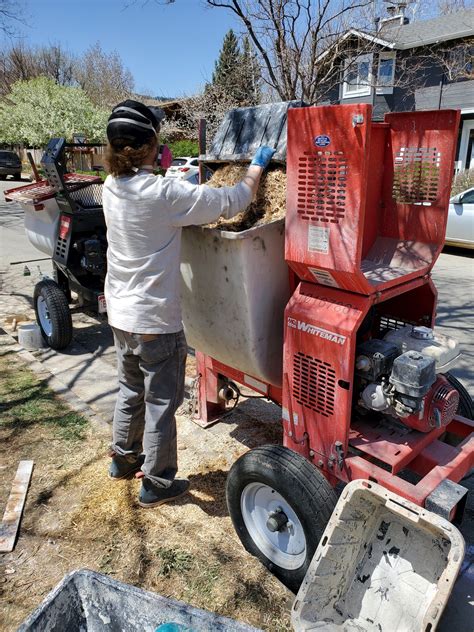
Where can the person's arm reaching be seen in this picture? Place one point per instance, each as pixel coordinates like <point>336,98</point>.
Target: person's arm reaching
<point>193,205</point>
<point>260,162</point>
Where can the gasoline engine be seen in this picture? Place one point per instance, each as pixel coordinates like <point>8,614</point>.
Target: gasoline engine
<point>397,376</point>
<point>92,251</point>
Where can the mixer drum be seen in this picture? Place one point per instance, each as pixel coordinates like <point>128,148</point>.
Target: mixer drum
<point>234,290</point>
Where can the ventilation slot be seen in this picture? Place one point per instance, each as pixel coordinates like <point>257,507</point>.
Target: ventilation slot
<point>416,175</point>
<point>389,322</point>
<point>61,247</point>
<point>322,184</point>
<point>314,384</point>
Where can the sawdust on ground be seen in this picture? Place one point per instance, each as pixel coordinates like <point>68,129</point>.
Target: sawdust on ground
<point>269,205</point>
<point>76,517</point>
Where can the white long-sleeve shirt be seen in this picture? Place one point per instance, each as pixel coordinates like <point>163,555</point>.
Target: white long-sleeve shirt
<point>144,214</point>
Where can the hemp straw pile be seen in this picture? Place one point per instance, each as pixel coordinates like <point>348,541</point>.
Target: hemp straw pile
<point>269,205</point>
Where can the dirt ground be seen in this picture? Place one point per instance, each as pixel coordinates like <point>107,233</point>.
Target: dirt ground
<point>75,517</point>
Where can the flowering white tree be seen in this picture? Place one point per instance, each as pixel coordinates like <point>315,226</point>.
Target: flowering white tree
<point>39,109</point>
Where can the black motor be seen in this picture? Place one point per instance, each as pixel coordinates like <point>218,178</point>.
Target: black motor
<point>93,251</point>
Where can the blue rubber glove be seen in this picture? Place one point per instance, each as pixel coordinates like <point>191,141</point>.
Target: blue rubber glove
<point>263,156</point>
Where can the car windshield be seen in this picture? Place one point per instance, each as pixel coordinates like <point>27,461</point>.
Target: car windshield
<point>179,162</point>
<point>9,155</point>
<point>468,198</point>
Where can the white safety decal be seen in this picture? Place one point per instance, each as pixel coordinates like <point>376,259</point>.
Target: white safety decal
<point>324,277</point>
<point>286,416</point>
<point>318,239</point>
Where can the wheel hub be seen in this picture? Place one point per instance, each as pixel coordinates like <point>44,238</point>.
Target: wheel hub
<point>273,525</point>
<point>277,521</point>
<point>44,316</point>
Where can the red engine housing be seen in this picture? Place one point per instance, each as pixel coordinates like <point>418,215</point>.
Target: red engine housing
<point>440,406</point>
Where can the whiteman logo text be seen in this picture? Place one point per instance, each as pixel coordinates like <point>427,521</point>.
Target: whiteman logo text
<point>316,331</point>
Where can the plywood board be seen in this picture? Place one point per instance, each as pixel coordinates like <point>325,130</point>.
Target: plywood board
<point>14,508</point>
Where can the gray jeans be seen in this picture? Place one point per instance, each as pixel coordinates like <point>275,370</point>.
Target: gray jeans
<point>151,371</point>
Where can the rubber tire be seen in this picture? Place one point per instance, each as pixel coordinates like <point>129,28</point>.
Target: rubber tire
<point>291,475</point>
<point>62,282</point>
<point>59,313</point>
<point>466,407</point>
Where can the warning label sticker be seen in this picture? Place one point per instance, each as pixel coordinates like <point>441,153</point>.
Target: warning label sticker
<point>318,239</point>
<point>324,277</point>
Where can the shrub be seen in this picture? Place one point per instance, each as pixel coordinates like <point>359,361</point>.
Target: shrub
<point>184,148</point>
<point>462,181</point>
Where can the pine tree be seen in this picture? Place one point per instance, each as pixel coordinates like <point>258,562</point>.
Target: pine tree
<point>228,62</point>
<point>236,72</point>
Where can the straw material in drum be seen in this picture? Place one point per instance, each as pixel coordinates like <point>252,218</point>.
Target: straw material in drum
<point>269,205</point>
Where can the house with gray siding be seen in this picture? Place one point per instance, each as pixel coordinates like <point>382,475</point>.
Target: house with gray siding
<point>400,66</point>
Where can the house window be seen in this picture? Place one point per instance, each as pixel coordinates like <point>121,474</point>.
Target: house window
<point>386,73</point>
<point>357,77</point>
<point>460,62</point>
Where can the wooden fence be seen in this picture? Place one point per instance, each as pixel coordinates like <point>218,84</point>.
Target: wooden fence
<point>83,159</point>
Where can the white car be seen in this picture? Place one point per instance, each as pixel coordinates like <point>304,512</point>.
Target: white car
<point>184,168</point>
<point>460,229</point>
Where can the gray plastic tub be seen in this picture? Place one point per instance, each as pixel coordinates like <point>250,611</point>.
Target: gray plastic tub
<point>88,601</point>
<point>234,290</point>
<point>383,565</point>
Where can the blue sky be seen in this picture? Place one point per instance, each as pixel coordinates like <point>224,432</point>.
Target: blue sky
<point>170,50</point>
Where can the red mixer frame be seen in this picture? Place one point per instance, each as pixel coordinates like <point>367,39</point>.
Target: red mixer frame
<point>366,219</point>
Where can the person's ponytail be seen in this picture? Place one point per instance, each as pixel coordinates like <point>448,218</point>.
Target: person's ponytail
<point>122,159</point>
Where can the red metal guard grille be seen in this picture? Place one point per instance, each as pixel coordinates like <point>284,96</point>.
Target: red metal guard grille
<point>42,190</point>
<point>416,175</point>
<point>314,384</point>
<point>446,400</point>
<point>322,182</point>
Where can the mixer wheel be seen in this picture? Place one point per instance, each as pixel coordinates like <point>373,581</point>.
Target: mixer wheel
<point>280,505</point>
<point>466,407</point>
<point>52,314</point>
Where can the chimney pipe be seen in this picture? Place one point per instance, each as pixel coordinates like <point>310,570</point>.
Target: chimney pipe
<point>402,8</point>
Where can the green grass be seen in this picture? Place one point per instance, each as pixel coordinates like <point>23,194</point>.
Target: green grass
<point>102,174</point>
<point>201,576</point>
<point>26,401</point>
<point>174,560</point>
<point>204,579</point>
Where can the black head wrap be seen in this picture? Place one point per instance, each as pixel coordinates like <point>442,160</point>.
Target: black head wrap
<point>132,123</point>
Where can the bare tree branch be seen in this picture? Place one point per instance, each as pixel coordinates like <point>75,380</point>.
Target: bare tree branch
<point>11,16</point>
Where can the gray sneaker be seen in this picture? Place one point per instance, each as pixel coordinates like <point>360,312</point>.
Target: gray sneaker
<point>151,495</point>
<point>123,467</point>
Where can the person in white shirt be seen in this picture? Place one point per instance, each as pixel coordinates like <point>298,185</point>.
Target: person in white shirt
<point>144,214</point>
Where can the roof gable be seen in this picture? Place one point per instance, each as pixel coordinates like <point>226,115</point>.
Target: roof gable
<point>442,29</point>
